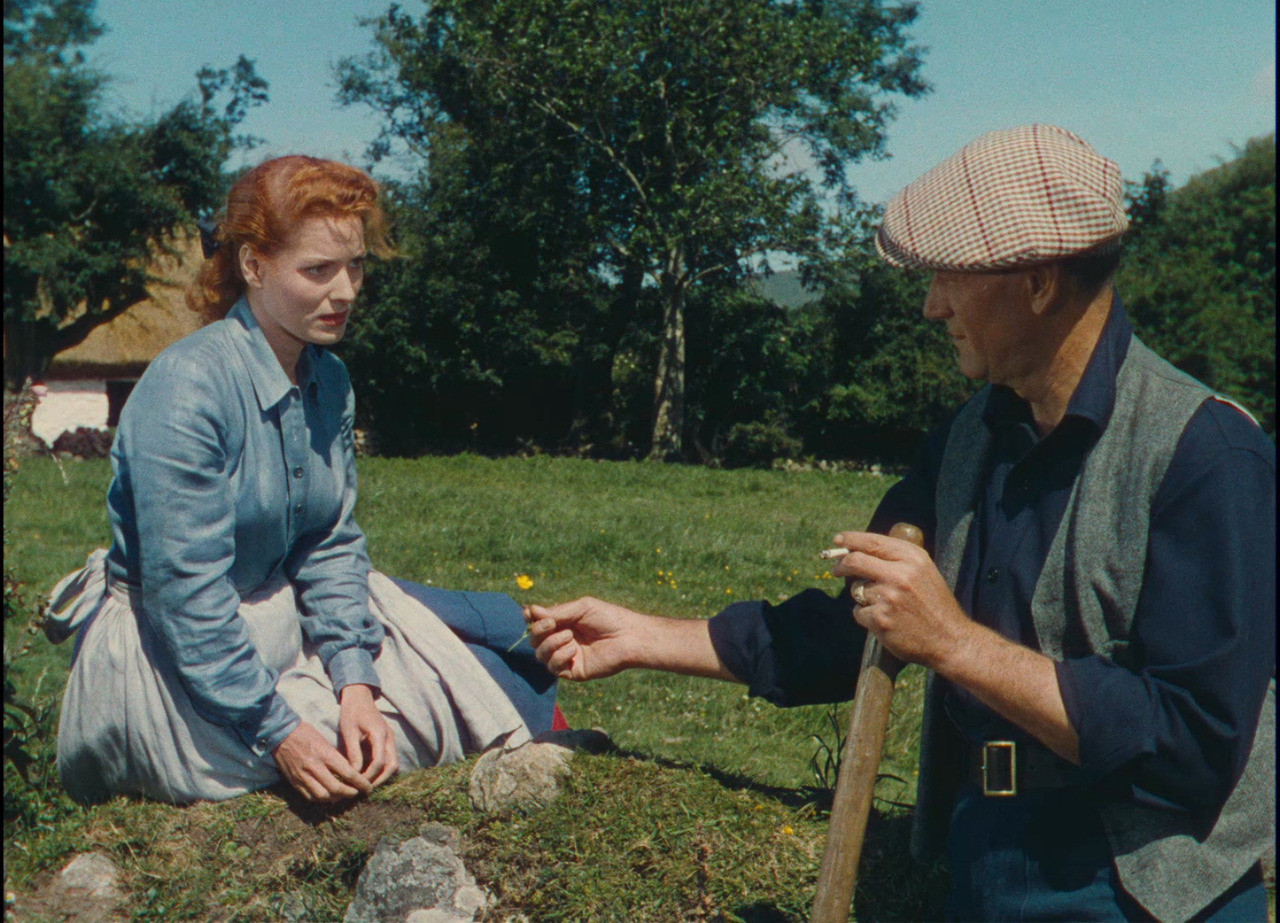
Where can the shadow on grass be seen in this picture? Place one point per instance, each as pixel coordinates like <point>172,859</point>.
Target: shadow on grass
<point>891,884</point>
<point>805,796</point>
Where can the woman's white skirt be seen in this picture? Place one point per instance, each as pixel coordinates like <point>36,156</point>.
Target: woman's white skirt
<point>128,726</point>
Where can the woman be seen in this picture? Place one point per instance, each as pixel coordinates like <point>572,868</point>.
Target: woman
<point>235,632</point>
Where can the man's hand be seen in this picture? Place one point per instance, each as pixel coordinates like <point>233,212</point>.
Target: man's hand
<point>590,639</point>
<point>584,639</point>
<point>365,735</point>
<point>909,606</point>
<point>316,769</point>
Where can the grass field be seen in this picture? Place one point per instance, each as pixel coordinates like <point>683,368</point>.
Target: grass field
<point>672,540</point>
<point>712,809</point>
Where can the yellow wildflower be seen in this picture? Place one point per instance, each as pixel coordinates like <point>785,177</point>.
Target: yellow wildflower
<point>524,581</point>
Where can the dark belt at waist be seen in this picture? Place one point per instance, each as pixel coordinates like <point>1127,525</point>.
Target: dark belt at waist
<point>1004,768</point>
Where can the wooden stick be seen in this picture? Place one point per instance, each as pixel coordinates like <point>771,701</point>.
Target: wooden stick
<point>859,768</point>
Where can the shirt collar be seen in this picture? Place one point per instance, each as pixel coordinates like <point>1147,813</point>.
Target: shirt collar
<point>1095,394</point>
<point>270,383</point>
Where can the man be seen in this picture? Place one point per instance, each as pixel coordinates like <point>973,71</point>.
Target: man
<point>1097,603</point>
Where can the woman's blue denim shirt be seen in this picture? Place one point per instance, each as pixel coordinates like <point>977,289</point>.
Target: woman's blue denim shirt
<point>227,476</point>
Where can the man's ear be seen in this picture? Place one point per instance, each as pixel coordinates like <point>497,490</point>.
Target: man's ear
<point>250,266</point>
<point>1045,287</point>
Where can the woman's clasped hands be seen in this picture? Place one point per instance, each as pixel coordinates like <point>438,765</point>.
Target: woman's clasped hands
<point>322,773</point>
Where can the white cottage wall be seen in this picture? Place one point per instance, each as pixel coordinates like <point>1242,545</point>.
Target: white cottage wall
<point>68,405</point>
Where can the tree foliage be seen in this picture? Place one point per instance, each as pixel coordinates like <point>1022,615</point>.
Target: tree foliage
<point>641,140</point>
<point>1199,275</point>
<point>90,197</point>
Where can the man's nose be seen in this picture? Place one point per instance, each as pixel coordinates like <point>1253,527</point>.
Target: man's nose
<point>935,304</point>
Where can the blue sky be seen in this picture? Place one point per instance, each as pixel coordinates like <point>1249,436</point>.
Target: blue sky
<point>1178,80</point>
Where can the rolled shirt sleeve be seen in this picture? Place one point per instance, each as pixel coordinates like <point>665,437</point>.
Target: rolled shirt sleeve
<point>808,649</point>
<point>1178,726</point>
<point>184,505</point>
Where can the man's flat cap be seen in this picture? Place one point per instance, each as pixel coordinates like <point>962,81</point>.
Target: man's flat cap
<point>1011,198</point>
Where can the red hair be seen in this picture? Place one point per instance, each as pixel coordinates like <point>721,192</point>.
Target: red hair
<point>264,207</point>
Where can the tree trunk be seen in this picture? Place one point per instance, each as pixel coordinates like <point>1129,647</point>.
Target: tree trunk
<point>668,391</point>
<point>28,350</point>
<point>593,366</point>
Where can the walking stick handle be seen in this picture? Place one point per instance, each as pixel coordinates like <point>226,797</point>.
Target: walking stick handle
<point>859,768</point>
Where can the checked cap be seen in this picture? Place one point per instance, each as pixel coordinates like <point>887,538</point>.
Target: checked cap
<point>1011,198</point>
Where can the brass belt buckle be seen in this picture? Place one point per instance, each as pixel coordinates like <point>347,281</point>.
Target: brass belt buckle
<point>996,756</point>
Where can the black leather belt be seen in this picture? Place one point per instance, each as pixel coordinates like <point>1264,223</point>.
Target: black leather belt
<point>1004,768</point>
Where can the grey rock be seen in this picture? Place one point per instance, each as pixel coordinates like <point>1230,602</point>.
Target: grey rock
<point>418,880</point>
<point>94,875</point>
<point>436,916</point>
<point>441,835</point>
<point>525,778</point>
<point>528,777</point>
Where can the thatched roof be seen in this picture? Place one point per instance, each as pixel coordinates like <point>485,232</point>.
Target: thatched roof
<point>123,347</point>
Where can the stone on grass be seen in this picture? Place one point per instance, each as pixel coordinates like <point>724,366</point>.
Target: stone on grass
<point>420,880</point>
<point>94,875</point>
<point>87,890</point>
<point>527,778</point>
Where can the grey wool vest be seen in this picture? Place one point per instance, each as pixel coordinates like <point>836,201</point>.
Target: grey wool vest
<point>1174,864</point>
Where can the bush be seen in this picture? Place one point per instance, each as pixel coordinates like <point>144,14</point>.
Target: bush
<point>32,795</point>
<point>756,445</point>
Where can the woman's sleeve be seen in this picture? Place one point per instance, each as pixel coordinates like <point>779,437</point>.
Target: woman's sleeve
<point>330,570</point>
<point>175,439</point>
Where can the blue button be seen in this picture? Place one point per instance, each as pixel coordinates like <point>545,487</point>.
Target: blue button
<point>297,472</point>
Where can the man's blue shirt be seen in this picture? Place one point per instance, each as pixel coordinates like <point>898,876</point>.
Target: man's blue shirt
<point>228,476</point>
<point>1174,730</point>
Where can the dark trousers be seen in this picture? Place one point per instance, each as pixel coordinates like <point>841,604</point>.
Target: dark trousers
<point>491,625</point>
<point>1044,856</point>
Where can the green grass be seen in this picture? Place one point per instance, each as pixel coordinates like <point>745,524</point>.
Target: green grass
<point>711,808</point>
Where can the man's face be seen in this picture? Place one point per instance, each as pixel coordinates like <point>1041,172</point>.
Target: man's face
<point>987,316</point>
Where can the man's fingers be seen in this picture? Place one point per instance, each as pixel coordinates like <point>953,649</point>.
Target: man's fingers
<point>562,658</point>
<point>877,545</point>
<point>563,612</point>
<point>540,628</point>
<point>549,644</point>
<point>862,565</point>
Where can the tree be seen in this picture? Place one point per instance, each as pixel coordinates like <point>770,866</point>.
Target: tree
<point>89,198</point>
<point>1199,275</point>
<point>670,132</point>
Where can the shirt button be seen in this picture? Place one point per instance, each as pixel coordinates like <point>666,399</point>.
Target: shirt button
<point>993,575</point>
<point>297,472</point>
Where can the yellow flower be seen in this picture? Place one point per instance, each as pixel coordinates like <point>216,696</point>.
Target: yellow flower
<point>787,831</point>
<point>524,581</point>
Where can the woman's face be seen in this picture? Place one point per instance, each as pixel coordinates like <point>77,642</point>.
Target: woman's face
<point>304,292</point>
